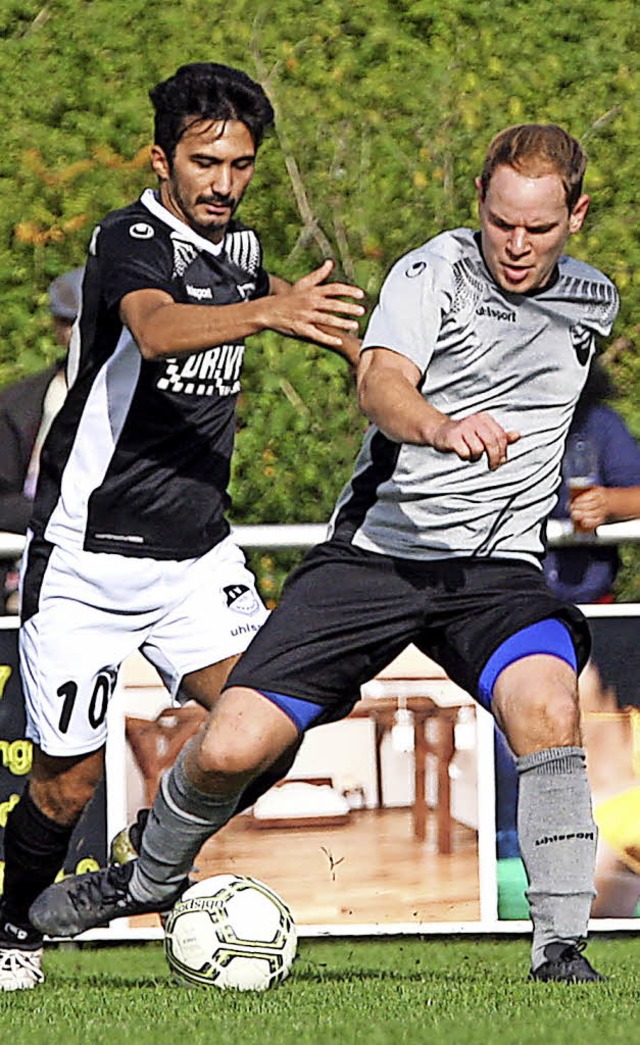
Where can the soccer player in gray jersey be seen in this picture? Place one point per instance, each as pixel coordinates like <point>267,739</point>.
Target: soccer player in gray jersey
<point>470,371</point>
<point>130,547</point>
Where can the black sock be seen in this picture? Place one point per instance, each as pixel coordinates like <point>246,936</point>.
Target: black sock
<point>35,847</point>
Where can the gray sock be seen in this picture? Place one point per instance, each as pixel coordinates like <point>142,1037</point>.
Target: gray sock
<point>558,838</point>
<point>181,820</point>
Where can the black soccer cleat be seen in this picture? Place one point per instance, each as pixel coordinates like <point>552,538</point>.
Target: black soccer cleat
<point>85,901</point>
<point>566,964</point>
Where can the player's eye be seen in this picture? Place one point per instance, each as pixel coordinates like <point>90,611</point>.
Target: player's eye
<point>502,225</point>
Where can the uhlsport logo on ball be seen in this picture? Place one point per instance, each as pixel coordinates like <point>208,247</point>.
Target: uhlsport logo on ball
<point>230,931</point>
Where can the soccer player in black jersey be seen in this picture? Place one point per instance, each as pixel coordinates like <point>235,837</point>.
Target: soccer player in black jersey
<point>471,368</point>
<point>129,545</point>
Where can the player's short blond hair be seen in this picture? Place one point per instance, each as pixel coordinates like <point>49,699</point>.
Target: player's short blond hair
<point>536,149</point>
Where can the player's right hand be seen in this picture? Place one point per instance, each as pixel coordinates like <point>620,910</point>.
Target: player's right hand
<point>474,436</point>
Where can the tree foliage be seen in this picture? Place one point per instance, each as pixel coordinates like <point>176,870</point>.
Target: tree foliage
<point>385,109</point>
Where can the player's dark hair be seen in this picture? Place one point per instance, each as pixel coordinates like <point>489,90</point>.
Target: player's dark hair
<point>207,91</point>
<point>536,149</point>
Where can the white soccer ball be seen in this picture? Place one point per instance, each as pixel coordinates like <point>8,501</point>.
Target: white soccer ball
<point>230,931</point>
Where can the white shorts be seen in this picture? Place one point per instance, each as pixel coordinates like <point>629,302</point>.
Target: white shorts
<point>95,609</point>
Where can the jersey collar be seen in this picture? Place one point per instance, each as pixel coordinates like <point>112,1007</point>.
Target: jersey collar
<point>152,203</point>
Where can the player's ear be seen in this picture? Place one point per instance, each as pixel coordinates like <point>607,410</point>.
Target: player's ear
<point>160,162</point>
<point>578,214</point>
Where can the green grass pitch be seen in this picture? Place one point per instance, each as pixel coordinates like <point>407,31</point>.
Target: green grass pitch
<point>463,990</point>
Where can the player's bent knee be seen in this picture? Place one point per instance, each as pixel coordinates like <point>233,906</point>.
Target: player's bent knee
<point>540,720</point>
<point>236,762</point>
<point>561,716</point>
<point>62,800</point>
<point>245,735</point>
<point>240,753</point>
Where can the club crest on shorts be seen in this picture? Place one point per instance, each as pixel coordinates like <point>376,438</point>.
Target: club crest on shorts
<point>241,597</point>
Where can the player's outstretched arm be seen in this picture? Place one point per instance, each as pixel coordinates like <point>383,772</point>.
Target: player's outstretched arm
<point>388,395</point>
<point>310,309</point>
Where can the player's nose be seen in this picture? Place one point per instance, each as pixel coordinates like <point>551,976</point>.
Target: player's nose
<point>221,180</point>
<point>518,243</point>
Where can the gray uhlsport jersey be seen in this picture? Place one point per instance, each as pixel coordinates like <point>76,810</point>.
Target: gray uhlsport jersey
<point>522,358</point>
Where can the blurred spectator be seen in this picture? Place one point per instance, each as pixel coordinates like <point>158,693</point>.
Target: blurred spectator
<point>581,573</point>
<point>27,409</point>
<point>586,572</point>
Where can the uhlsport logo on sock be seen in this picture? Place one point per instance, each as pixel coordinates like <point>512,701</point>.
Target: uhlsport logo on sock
<point>587,836</point>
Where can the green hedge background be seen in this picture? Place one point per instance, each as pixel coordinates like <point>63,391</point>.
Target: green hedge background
<point>385,109</point>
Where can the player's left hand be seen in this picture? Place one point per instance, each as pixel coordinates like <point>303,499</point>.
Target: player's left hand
<point>315,310</point>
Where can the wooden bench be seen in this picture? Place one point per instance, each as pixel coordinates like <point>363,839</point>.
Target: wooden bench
<point>415,682</point>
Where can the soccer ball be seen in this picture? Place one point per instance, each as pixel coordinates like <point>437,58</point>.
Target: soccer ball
<point>230,931</point>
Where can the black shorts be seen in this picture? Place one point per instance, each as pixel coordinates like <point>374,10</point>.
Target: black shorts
<point>346,613</point>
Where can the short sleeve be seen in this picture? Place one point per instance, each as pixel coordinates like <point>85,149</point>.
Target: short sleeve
<point>408,316</point>
<point>132,255</point>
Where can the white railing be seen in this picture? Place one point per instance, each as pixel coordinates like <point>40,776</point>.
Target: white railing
<point>305,535</point>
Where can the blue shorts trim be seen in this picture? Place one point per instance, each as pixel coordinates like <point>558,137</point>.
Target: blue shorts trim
<point>548,636</point>
<point>302,713</point>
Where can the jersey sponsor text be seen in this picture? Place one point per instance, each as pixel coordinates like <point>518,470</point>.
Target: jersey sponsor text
<point>213,372</point>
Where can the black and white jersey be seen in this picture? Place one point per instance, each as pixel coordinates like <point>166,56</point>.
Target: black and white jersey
<point>523,358</point>
<point>137,462</point>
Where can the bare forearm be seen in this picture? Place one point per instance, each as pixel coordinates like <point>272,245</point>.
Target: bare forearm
<point>310,310</point>
<point>176,329</point>
<point>399,410</point>
<point>623,502</point>
<point>388,395</point>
